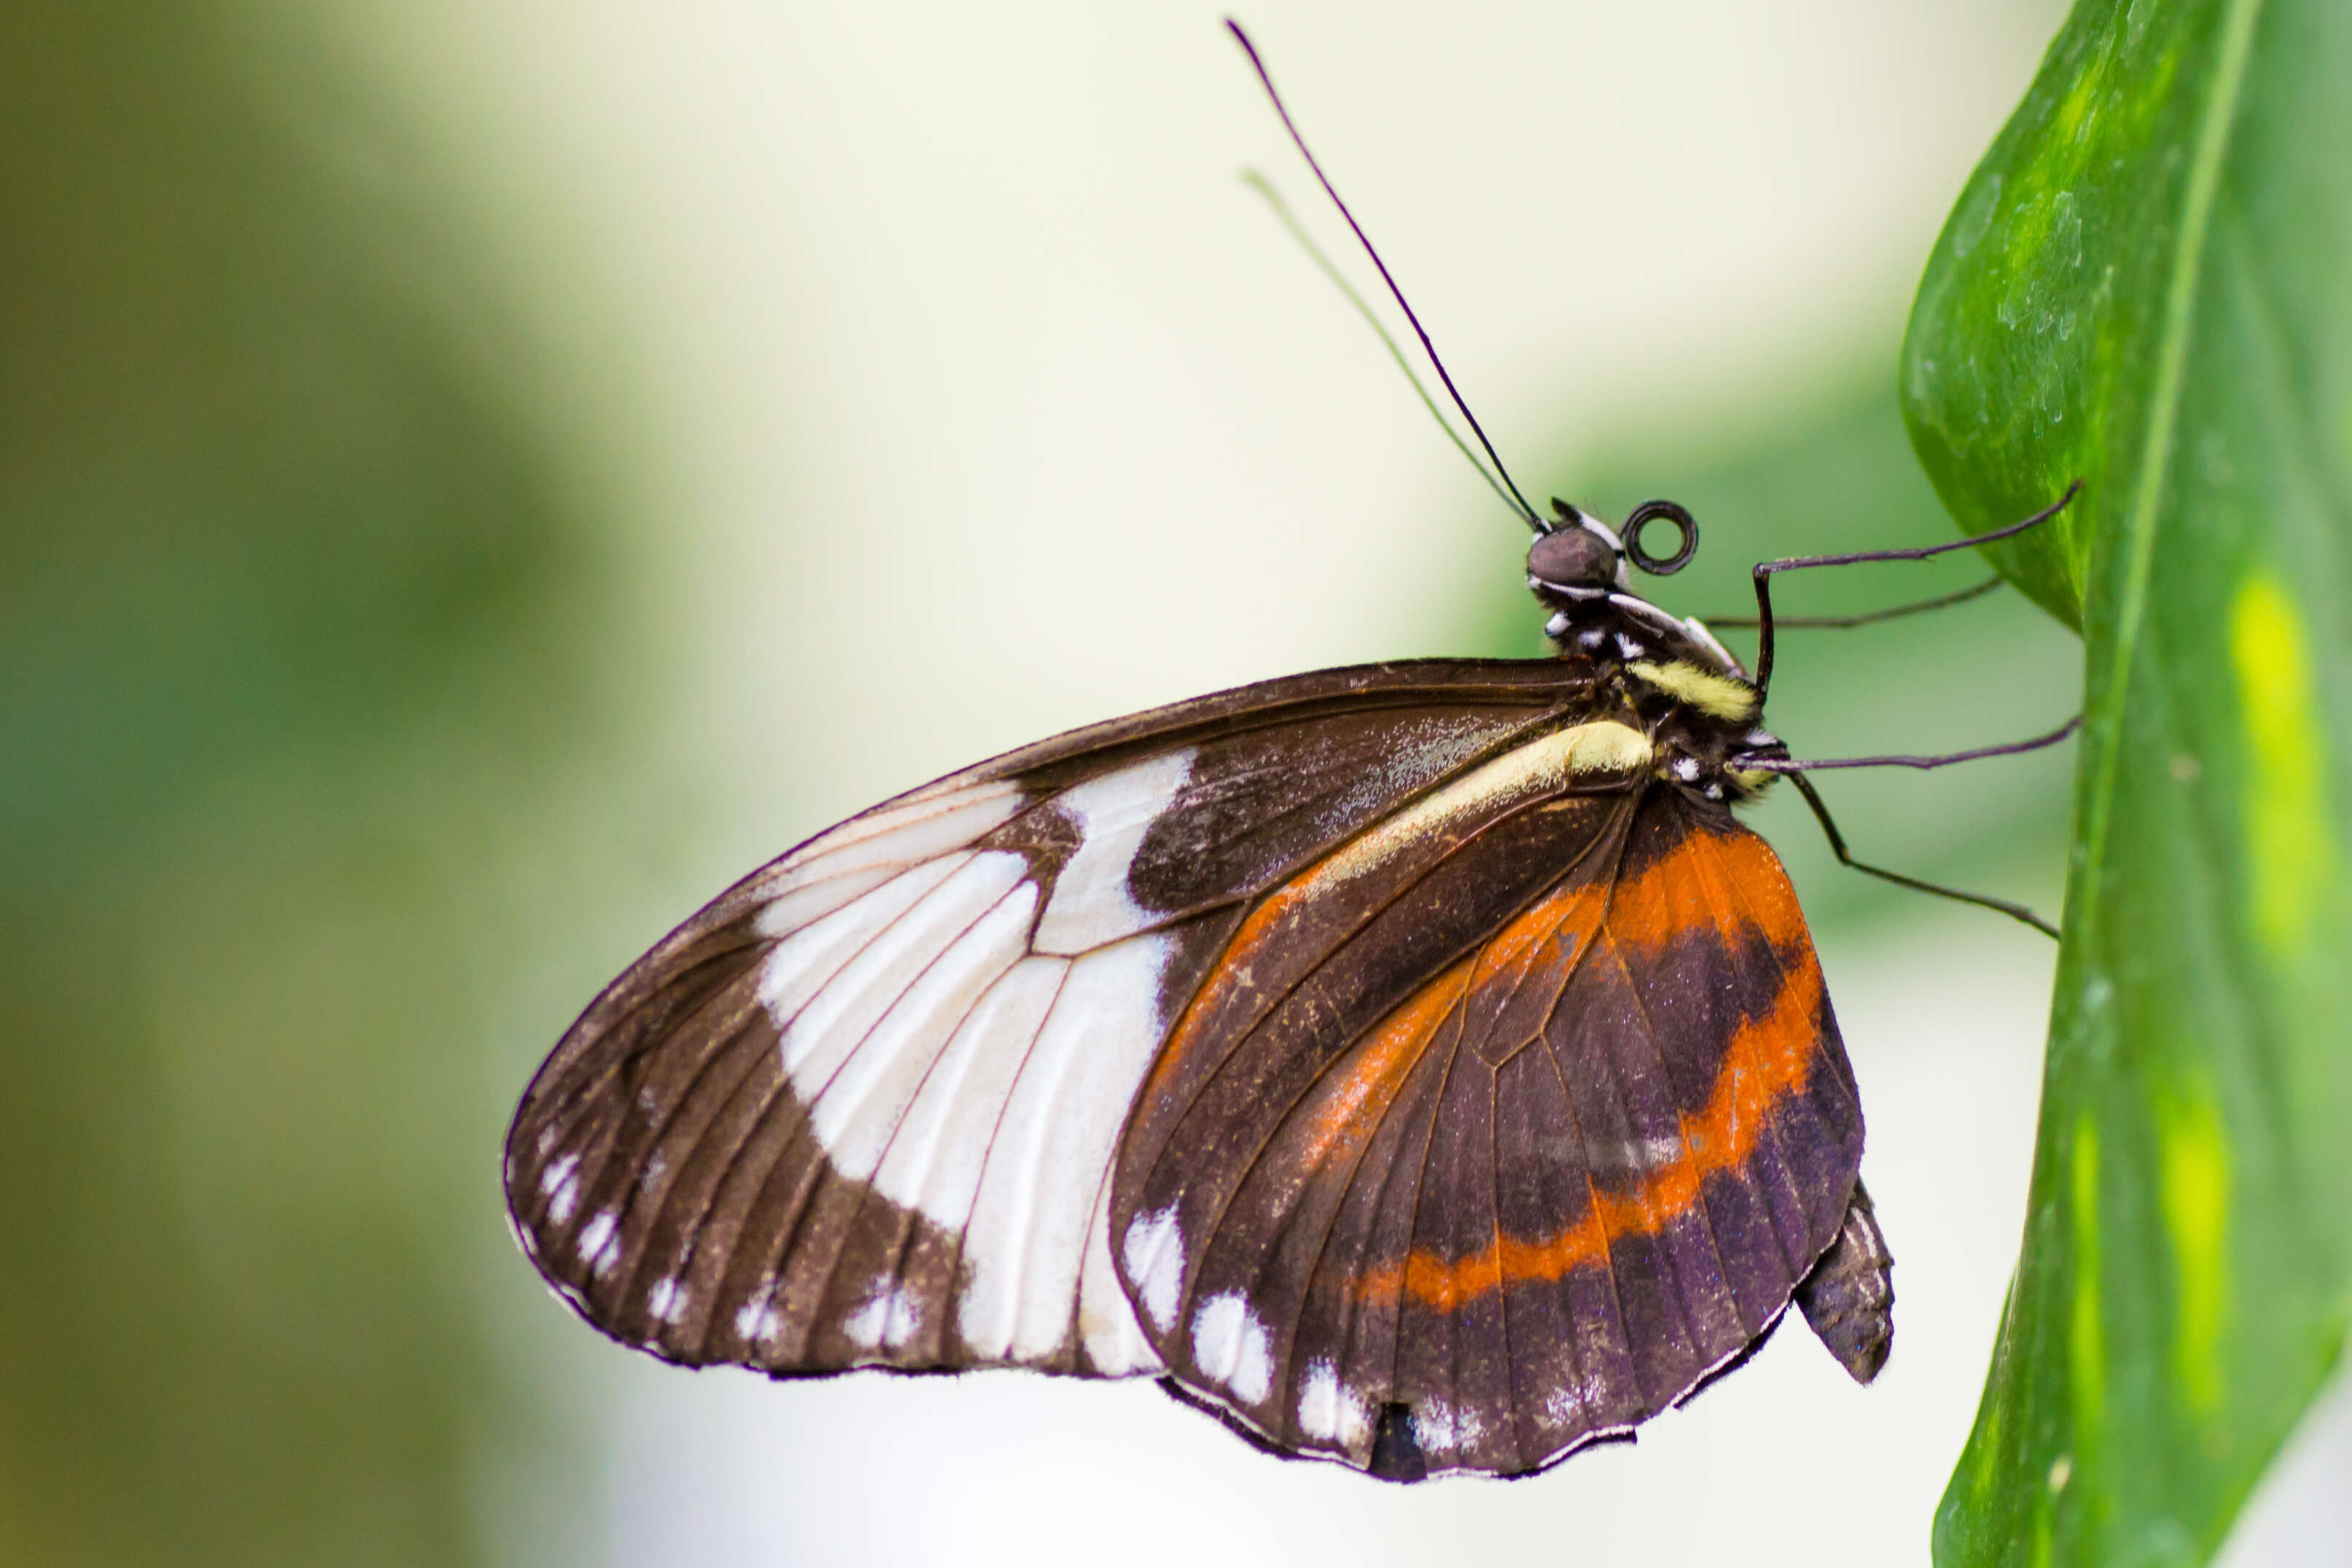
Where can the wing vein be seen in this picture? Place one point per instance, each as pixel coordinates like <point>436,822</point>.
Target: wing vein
<point>691,1236</point>
<point>1502,1284</point>
<point>629,1277</point>
<point>1013,1088</point>
<point>1672,1268</point>
<point>1437,967</point>
<point>1412,1230</point>
<point>1349,1302</point>
<point>944,1035</point>
<point>1729,891</point>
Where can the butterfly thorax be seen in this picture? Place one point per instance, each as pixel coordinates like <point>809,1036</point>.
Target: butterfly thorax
<point>1676,683</point>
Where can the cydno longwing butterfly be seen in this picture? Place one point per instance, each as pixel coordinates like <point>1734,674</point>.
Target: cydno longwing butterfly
<point>1415,1065</point>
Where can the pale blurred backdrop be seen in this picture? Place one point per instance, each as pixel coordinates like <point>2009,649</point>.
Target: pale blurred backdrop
<point>477,478</point>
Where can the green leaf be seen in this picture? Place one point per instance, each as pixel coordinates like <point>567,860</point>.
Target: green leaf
<point>2148,286</point>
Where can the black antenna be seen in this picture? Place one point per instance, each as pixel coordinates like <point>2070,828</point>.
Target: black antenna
<point>1525,511</point>
<point>1259,184</point>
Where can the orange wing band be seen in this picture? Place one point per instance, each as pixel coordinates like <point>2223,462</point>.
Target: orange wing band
<point>1769,1058</point>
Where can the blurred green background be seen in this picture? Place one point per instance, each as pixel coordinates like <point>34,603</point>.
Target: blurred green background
<point>475,479</point>
<point>296,596</point>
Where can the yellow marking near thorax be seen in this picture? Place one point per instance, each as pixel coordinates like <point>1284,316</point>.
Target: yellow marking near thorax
<point>1716,696</point>
<point>1582,753</point>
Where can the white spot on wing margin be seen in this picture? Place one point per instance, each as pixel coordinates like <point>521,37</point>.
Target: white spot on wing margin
<point>888,1319</point>
<point>1442,1429</point>
<point>1231,1346</point>
<point>1154,1255</point>
<point>559,1184</point>
<point>1329,1410</point>
<point>757,1320</point>
<point>599,1244</point>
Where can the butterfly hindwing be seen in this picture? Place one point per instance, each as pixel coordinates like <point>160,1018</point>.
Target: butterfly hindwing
<point>1519,1130</point>
<point>863,1108</point>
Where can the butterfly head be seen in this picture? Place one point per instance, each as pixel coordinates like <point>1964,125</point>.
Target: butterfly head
<point>1682,687</point>
<point>1581,556</point>
<point>1576,550</point>
<point>1578,569</point>
<point>1583,553</point>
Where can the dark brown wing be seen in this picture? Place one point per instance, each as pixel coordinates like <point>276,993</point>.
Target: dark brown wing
<point>861,1111</point>
<point>1480,1150</point>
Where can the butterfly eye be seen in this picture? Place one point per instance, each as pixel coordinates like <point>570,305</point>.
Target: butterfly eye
<point>1685,537</point>
<point>1572,557</point>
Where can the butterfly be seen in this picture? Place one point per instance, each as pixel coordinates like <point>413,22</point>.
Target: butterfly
<point>1417,1064</point>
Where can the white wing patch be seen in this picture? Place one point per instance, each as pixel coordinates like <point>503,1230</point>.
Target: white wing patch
<point>935,1161</point>
<point>1027,1234</point>
<point>1090,905</point>
<point>898,963</point>
<point>1106,1324</point>
<point>858,1051</point>
<point>806,961</point>
<point>865,851</point>
<point>966,1066</point>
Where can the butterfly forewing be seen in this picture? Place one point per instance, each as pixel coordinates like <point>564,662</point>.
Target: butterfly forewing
<point>863,1108</point>
<point>1493,1137</point>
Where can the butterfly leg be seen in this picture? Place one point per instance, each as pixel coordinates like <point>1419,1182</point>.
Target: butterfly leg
<point>1765,569</point>
<point>1849,1298</point>
<point>1867,618</point>
<point>1767,763</point>
<point>1837,847</point>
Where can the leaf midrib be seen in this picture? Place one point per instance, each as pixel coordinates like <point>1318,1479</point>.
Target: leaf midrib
<point>2156,453</point>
